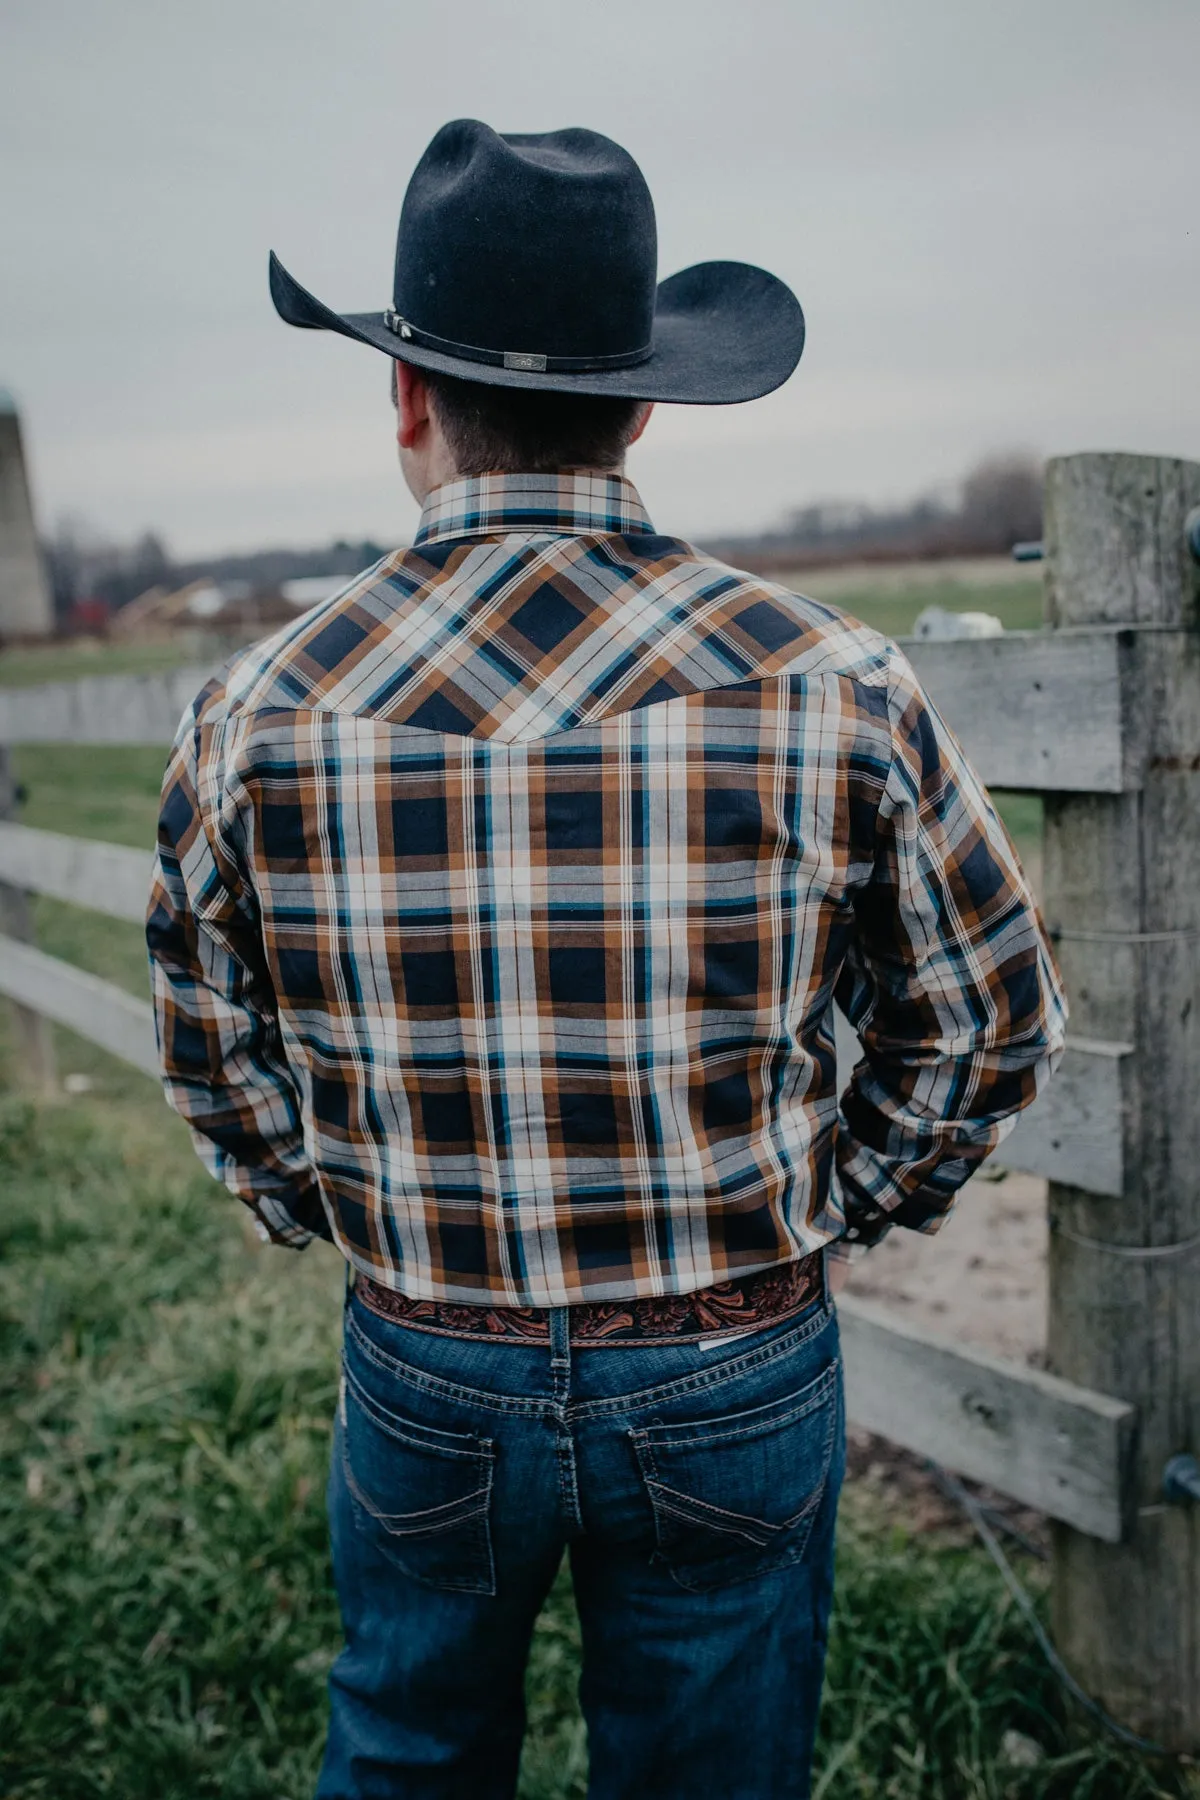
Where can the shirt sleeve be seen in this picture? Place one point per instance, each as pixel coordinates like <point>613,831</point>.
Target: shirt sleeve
<point>223,1064</point>
<point>950,982</point>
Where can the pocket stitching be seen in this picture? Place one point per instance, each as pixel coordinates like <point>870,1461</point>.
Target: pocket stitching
<point>701,1381</point>
<point>460,1512</point>
<point>483,1583</point>
<point>813,1396</point>
<point>716,1515</point>
<point>789,1553</point>
<point>472,1516</point>
<point>437,1384</point>
<point>738,1522</point>
<point>453,1512</point>
<point>404,1433</point>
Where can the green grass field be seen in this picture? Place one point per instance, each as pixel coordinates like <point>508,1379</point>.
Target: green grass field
<point>166,1616</point>
<point>1017,603</point>
<point>27,665</point>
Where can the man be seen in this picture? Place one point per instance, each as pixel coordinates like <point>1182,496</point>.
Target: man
<point>501,906</point>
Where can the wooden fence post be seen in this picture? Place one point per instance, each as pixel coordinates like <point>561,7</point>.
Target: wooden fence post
<point>1122,894</point>
<point>33,1037</point>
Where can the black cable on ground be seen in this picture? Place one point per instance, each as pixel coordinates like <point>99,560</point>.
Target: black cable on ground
<point>955,1491</point>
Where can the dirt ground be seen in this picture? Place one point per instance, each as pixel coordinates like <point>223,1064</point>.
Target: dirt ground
<point>981,1279</point>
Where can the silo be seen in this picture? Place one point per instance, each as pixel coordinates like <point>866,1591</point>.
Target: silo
<point>25,607</point>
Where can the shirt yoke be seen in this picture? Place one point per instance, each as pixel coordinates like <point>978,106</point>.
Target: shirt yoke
<point>516,637</point>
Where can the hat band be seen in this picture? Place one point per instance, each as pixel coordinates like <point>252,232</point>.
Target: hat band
<point>528,360</point>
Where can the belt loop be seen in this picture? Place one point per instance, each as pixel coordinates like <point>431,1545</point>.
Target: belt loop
<point>560,1351</point>
<point>560,1336</point>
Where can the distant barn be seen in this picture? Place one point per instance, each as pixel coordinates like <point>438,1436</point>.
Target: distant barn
<point>25,606</point>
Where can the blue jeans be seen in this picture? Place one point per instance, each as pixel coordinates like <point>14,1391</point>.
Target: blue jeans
<point>695,1489</point>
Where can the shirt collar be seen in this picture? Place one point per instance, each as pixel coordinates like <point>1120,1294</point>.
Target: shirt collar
<point>573,503</point>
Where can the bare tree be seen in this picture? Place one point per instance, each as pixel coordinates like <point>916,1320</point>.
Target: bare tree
<point>1002,501</point>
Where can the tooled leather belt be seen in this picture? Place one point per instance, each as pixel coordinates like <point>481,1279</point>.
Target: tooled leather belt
<point>745,1304</point>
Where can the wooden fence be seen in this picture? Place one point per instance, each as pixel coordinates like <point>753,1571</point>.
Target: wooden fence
<point>1099,713</point>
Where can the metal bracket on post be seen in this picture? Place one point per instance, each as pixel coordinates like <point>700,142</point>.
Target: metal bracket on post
<point>1191,532</point>
<point>1181,1480</point>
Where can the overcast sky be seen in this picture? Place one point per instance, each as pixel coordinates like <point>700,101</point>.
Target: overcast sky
<point>990,212</point>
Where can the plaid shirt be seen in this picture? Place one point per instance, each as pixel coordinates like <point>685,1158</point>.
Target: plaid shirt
<point>501,902</point>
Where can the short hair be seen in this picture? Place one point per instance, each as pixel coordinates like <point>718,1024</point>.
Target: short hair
<point>511,430</point>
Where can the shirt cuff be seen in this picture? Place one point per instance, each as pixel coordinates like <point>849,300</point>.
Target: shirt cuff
<point>293,1220</point>
<point>843,1251</point>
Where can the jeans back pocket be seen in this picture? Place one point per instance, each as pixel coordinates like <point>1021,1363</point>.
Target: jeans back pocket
<point>421,1495</point>
<point>735,1497</point>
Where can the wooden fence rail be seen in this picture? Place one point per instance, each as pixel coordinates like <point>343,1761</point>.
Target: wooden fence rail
<point>1101,714</point>
<point>107,878</point>
<point>105,1014</point>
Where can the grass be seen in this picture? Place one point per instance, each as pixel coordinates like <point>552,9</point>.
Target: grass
<point>26,665</point>
<point>1017,604</point>
<point>105,791</point>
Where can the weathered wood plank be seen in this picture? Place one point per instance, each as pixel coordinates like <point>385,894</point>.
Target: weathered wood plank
<point>1072,1132</point>
<point>108,878</point>
<point>95,1009</point>
<point>1061,1448</point>
<point>1075,1131</point>
<point>1122,879</point>
<point>1115,547</point>
<point>1036,710</point>
<point>100,709</point>
<point>32,1038</point>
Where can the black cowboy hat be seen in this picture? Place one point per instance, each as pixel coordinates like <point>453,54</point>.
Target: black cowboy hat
<point>530,261</point>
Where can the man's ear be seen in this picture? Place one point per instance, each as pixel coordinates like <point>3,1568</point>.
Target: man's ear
<point>412,405</point>
<point>642,422</point>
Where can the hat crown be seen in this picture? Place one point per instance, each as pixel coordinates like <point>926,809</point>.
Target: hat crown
<point>530,242</point>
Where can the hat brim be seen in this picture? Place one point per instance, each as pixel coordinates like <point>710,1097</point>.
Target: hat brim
<point>723,332</point>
